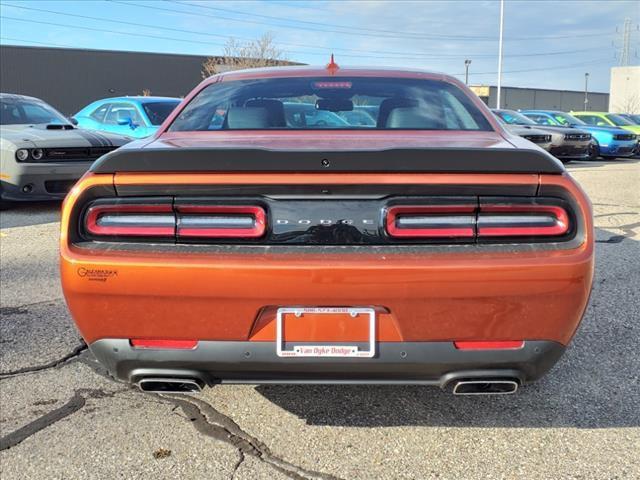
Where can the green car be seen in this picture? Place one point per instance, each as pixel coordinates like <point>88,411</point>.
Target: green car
<point>604,119</point>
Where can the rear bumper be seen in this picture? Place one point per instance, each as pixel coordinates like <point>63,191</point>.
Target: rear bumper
<point>40,181</point>
<point>429,363</point>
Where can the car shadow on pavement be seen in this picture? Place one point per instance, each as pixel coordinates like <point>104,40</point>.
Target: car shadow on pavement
<point>595,385</point>
<point>598,163</point>
<point>24,214</point>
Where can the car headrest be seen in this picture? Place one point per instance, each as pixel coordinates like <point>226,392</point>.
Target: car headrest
<point>123,114</point>
<point>414,117</point>
<point>247,117</point>
<point>275,110</point>
<point>389,104</point>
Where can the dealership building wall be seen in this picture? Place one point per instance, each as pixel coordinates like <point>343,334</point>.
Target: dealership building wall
<point>515,98</point>
<point>70,78</point>
<point>625,90</point>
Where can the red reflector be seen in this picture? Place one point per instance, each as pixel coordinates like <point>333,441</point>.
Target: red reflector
<point>499,345</point>
<point>168,344</point>
<point>131,220</point>
<point>431,221</point>
<point>522,220</point>
<point>221,221</point>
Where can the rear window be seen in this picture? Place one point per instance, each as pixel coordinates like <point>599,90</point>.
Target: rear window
<point>321,103</point>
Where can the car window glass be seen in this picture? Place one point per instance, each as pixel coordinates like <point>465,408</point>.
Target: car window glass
<point>594,120</point>
<point>541,119</point>
<point>516,118</point>
<point>588,119</point>
<point>120,112</point>
<point>618,120</point>
<point>99,113</point>
<point>561,120</point>
<point>321,103</point>
<point>28,111</point>
<point>566,119</point>
<point>157,112</point>
<point>456,115</point>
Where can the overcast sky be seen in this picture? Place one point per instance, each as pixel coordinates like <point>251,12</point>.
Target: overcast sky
<point>548,44</point>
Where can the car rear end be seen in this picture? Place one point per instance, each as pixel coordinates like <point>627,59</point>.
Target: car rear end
<point>390,256</point>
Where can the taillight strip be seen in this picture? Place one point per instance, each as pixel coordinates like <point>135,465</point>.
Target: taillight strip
<point>131,220</point>
<point>431,221</point>
<point>221,221</point>
<point>522,220</point>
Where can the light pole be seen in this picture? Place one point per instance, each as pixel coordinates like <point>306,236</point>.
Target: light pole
<point>467,62</point>
<point>586,91</point>
<point>500,53</point>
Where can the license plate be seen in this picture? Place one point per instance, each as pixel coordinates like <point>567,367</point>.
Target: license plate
<point>325,350</point>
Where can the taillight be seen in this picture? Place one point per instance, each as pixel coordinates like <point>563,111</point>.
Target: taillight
<point>431,221</point>
<point>221,221</point>
<point>138,220</point>
<point>165,220</point>
<point>493,219</point>
<point>513,220</point>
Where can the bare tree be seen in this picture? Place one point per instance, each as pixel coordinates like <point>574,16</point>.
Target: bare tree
<point>630,104</point>
<point>146,92</point>
<point>236,56</point>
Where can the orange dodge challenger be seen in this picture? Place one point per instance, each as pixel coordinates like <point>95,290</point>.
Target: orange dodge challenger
<point>328,225</point>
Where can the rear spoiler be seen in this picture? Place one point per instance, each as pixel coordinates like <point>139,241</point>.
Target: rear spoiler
<point>407,160</point>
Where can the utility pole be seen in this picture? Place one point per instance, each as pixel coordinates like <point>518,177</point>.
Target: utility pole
<point>500,53</point>
<point>586,91</point>
<point>626,43</point>
<point>467,62</point>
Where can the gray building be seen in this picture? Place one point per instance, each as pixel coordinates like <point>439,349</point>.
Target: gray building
<point>515,98</point>
<point>70,78</point>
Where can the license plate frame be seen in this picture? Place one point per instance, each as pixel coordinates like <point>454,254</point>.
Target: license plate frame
<point>324,351</point>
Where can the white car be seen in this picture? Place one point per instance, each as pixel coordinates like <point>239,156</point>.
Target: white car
<point>42,154</point>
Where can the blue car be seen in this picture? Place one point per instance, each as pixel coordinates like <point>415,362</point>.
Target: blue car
<point>136,117</point>
<point>609,141</point>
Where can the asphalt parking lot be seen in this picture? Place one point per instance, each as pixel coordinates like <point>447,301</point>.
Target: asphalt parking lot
<point>62,417</point>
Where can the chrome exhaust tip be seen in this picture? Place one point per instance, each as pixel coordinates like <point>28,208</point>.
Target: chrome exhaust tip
<point>485,387</point>
<point>170,385</point>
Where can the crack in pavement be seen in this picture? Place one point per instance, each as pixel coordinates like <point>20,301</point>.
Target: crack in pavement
<point>604,215</point>
<point>627,233</point>
<point>204,417</point>
<point>238,464</point>
<point>76,402</point>
<point>53,364</point>
<point>9,311</point>
<point>209,421</point>
<point>21,309</point>
<point>612,239</point>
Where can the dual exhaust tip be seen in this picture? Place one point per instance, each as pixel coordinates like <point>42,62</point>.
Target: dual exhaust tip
<point>171,385</point>
<point>485,387</point>
<point>460,387</point>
